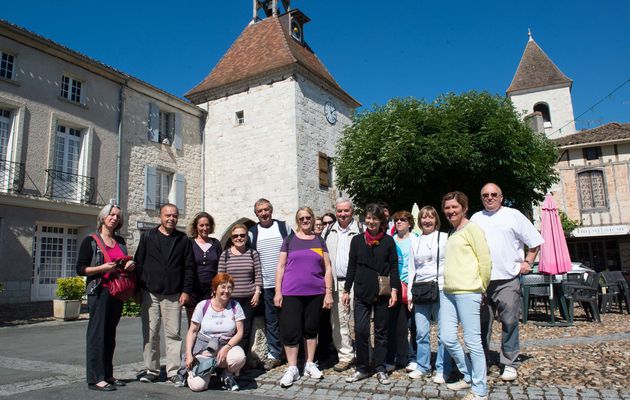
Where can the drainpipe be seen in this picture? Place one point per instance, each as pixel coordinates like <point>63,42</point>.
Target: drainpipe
<point>121,105</point>
<point>203,158</point>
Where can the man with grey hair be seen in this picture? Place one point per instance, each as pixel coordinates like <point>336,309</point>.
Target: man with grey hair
<point>338,240</point>
<point>507,232</point>
<point>266,237</point>
<point>166,267</point>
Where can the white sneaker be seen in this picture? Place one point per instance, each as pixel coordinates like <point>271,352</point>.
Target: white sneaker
<point>459,385</point>
<point>357,376</point>
<point>417,374</point>
<point>439,379</point>
<point>473,396</point>
<point>311,370</point>
<point>389,367</point>
<point>412,366</point>
<point>509,374</point>
<point>291,375</point>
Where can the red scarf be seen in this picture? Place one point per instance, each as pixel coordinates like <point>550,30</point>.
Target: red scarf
<point>373,240</point>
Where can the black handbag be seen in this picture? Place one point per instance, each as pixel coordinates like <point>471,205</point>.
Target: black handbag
<point>427,292</point>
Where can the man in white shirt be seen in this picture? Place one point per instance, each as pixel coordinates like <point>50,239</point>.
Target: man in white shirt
<point>507,232</point>
<point>266,237</point>
<point>338,239</point>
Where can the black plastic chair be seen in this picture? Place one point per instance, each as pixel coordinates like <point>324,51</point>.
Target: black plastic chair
<point>617,290</point>
<point>586,295</point>
<point>537,287</point>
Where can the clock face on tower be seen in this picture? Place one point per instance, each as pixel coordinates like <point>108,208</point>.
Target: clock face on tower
<point>330,112</point>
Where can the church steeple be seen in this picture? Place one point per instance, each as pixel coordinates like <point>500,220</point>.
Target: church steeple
<point>540,88</point>
<point>536,70</point>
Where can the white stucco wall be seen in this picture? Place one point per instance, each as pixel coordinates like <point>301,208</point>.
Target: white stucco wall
<point>560,108</point>
<point>253,160</point>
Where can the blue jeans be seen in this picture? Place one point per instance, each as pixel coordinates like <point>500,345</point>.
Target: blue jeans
<point>465,308</point>
<point>272,318</point>
<point>443,361</point>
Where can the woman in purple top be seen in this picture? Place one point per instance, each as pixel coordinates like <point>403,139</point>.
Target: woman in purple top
<point>303,288</point>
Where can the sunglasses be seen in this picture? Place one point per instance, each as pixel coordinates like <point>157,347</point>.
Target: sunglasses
<point>239,235</point>
<point>304,218</point>
<point>327,222</point>
<point>493,195</point>
<point>401,220</point>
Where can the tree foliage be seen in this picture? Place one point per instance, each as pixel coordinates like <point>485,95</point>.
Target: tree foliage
<point>410,151</point>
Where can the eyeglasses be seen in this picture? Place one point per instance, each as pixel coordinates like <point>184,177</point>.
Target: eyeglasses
<point>239,235</point>
<point>401,220</point>
<point>305,218</point>
<point>327,222</point>
<point>493,195</point>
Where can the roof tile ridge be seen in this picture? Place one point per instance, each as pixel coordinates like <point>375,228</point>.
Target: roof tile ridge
<point>285,42</point>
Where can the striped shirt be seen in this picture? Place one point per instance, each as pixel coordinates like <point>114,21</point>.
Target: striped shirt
<point>244,269</point>
<point>268,244</point>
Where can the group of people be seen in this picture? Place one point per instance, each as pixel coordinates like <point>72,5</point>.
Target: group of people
<point>376,278</point>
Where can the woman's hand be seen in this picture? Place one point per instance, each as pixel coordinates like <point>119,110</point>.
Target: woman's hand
<point>190,361</point>
<point>255,299</point>
<point>222,354</point>
<point>277,299</point>
<point>108,266</point>
<point>410,305</point>
<point>393,298</point>
<point>345,299</point>
<point>328,301</point>
<point>130,266</point>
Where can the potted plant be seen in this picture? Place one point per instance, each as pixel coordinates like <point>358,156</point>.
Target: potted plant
<point>69,292</point>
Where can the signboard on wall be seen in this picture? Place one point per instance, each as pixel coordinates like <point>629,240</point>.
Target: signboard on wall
<point>609,230</point>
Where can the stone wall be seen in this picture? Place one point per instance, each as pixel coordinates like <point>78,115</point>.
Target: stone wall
<point>255,159</point>
<point>139,151</point>
<point>560,108</point>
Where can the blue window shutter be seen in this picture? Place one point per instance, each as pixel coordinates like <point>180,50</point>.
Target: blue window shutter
<point>179,194</point>
<point>154,123</point>
<point>150,187</point>
<point>177,139</point>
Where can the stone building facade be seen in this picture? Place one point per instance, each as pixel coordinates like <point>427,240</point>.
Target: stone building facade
<point>275,115</point>
<point>593,167</point>
<point>74,135</point>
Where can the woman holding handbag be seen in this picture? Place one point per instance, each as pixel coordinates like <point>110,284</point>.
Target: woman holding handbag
<point>373,271</point>
<point>467,268</point>
<point>97,258</point>
<point>426,268</point>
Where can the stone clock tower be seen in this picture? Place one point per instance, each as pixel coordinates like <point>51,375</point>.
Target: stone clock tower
<point>275,115</point>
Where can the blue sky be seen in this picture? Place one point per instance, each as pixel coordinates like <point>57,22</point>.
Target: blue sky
<point>376,50</point>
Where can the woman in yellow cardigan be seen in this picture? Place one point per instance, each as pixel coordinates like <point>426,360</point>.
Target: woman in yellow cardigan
<point>466,277</point>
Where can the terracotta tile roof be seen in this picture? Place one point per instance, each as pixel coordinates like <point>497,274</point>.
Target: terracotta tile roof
<point>604,133</point>
<point>263,47</point>
<point>536,70</point>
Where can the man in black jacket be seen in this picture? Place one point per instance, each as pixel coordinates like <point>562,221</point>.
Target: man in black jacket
<point>166,267</point>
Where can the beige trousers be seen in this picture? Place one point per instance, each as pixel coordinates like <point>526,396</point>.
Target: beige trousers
<point>156,309</point>
<point>340,318</point>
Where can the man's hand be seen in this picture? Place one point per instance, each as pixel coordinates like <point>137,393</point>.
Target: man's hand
<point>525,268</point>
<point>184,299</point>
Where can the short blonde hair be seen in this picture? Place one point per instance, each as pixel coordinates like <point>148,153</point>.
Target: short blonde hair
<point>310,212</point>
<point>431,211</point>
<point>105,211</point>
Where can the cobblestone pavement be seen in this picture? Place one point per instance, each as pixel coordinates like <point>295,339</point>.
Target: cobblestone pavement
<point>585,374</point>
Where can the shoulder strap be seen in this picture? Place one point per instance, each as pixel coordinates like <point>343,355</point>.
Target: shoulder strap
<point>437,262</point>
<point>282,227</point>
<point>205,308</point>
<point>254,231</point>
<point>226,255</point>
<point>289,239</point>
<point>101,246</point>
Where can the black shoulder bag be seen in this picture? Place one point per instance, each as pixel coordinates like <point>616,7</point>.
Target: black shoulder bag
<point>427,292</point>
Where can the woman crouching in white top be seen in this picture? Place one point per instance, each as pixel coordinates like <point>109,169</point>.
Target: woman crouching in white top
<point>217,327</point>
<point>423,267</point>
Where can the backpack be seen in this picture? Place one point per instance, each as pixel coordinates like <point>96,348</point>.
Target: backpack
<point>282,227</point>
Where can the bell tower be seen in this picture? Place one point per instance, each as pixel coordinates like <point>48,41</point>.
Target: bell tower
<point>539,86</point>
<point>275,115</point>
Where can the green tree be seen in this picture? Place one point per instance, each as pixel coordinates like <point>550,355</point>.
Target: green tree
<point>409,150</point>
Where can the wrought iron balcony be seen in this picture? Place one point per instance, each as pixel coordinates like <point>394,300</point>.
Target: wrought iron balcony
<point>11,176</point>
<point>73,187</point>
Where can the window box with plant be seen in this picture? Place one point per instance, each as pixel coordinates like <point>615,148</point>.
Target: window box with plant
<point>70,291</point>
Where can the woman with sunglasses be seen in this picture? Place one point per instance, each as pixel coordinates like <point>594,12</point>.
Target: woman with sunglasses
<point>243,265</point>
<point>206,251</point>
<point>304,285</point>
<point>467,268</point>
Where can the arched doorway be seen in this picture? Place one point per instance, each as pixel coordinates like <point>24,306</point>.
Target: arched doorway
<point>226,240</point>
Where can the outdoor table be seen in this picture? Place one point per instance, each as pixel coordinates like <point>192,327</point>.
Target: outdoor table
<point>553,289</point>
